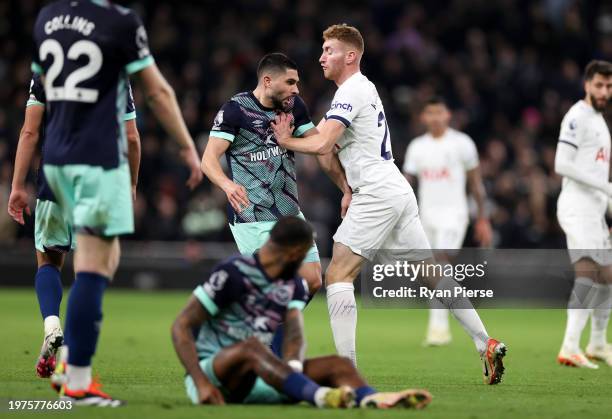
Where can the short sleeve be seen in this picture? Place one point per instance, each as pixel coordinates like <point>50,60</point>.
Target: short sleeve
<point>571,128</point>
<point>223,287</point>
<point>410,160</point>
<point>469,154</point>
<point>135,44</point>
<point>36,64</point>
<point>130,108</point>
<point>37,92</point>
<point>300,294</point>
<point>36,67</point>
<point>301,118</point>
<point>345,106</point>
<point>227,122</point>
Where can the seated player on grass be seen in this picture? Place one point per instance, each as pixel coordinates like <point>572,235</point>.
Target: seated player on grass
<point>223,333</point>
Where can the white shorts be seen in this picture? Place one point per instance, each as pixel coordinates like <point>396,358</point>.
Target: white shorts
<point>374,223</point>
<point>446,237</point>
<point>587,237</point>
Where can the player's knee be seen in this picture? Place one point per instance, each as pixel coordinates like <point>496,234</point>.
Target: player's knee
<point>254,346</point>
<point>586,267</point>
<point>252,352</point>
<point>311,272</point>
<point>50,257</point>
<point>336,272</point>
<point>341,366</point>
<point>314,281</point>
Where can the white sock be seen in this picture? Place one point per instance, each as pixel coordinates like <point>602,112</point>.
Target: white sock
<point>51,323</point>
<point>463,310</point>
<point>342,310</point>
<point>319,396</point>
<point>79,378</point>
<point>438,318</point>
<point>600,315</point>
<point>62,355</point>
<point>577,313</point>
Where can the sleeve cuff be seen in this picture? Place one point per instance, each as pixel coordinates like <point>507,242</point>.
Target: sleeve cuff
<point>36,68</point>
<point>34,103</point>
<point>299,131</point>
<point>129,116</point>
<point>136,66</point>
<point>206,301</point>
<point>472,165</point>
<point>345,121</point>
<point>296,304</point>
<point>225,135</point>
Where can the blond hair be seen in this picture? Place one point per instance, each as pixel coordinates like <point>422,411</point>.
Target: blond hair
<point>345,33</point>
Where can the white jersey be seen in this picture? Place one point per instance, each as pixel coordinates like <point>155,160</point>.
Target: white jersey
<point>585,129</point>
<point>365,146</point>
<point>440,164</point>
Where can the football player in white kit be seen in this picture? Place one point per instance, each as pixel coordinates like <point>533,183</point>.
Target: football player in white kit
<point>383,213</point>
<point>583,159</point>
<point>443,160</point>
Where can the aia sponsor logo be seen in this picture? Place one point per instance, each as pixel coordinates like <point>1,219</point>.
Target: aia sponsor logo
<point>436,174</point>
<point>603,155</point>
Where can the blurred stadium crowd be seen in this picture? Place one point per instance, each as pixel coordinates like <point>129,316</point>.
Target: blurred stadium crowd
<point>510,69</point>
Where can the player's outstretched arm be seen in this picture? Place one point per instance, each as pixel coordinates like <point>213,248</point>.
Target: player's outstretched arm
<point>236,194</point>
<point>162,101</point>
<point>133,141</point>
<point>321,143</point>
<point>28,140</point>
<point>566,166</point>
<point>294,345</point>
<point>482,229</point>
<point>192,316</point>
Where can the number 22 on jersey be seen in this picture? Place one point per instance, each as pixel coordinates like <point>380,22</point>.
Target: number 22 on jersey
<point>70,91</point>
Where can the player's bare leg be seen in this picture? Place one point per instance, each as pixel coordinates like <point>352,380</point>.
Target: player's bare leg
<point>95,254</point>
<point>583,292</point>
<point>341,305</point>
<point>95,262</point>
<point>49,292</point>
<point>238,366</point>
<point>598,348</point>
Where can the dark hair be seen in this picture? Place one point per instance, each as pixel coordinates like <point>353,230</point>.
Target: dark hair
<point>291,231</point>
<point>597,67</point>
<point>435,100</point>
<point>275,61</point>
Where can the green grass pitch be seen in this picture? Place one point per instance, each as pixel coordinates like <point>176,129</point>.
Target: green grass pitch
<point>136,362</point>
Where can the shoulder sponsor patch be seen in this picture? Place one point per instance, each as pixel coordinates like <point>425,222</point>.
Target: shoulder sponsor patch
<point>218,120</point>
